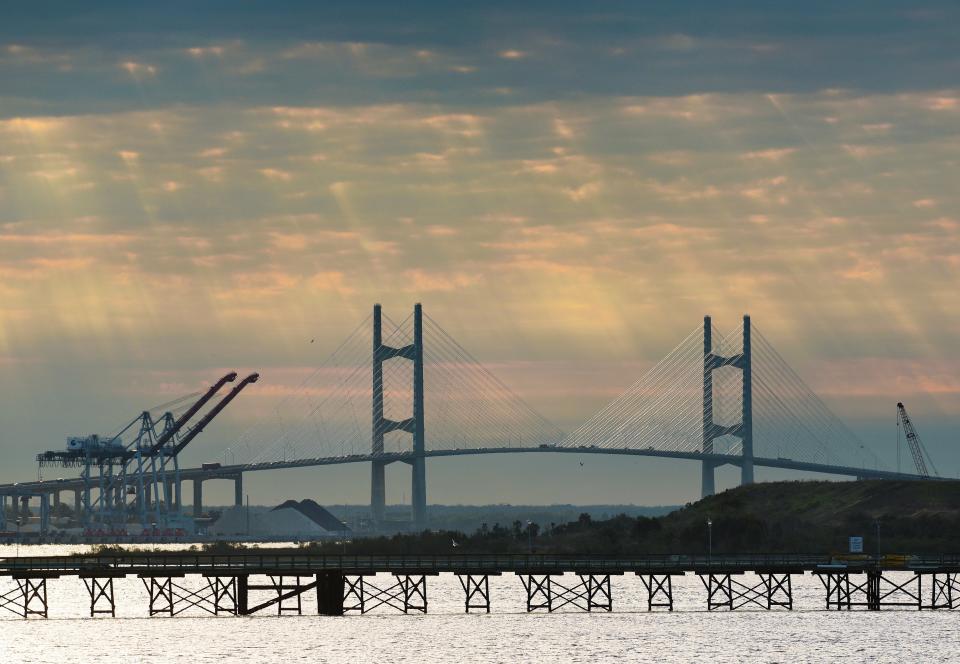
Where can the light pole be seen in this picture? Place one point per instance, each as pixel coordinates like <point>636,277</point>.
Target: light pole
<point>876,524</point>
<point>529,536</point>
<point>18,536</point>
<point>709,540</point>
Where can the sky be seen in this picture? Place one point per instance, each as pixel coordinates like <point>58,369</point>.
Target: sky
<point>568,188</point>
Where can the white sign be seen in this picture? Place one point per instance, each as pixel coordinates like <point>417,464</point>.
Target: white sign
<point>856,545</point>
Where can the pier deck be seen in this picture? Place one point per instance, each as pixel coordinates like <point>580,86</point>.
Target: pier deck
<point>343,583</point>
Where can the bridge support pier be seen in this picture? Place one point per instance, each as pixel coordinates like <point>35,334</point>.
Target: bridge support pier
<point>707,477</point>
<point>592,591</point>
<point>101,594</point>
<point>539,591</point>
<point>414,592</point>
<point>238,490</point>
<point>34,594</point>
<point>659,590</point>
<point>224,591</point>
<point>197,497</point>
<point>719,591</point>
<point>779,590</point>
<point>287,596</point>
<point>408,593</point>
<point>77,503</point>
<point>873,593</point>
<point>243,594</point>
<point>378,492</point>
<point>944,590</point>
<point>330,593</point>
<point>476,589</point>
<point>296,605</point>
<point>160,592</point>
<point>772,590</point>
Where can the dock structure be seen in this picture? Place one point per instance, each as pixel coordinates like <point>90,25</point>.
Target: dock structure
<point>247,583</point>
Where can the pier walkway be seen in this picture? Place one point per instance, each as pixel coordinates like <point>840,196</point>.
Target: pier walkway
<point>245,583</point>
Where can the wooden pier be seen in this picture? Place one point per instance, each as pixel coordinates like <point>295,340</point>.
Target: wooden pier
<point>247,583</point>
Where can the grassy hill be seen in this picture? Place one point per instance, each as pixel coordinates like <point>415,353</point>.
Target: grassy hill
<point>820,516</point>
<point>793,517</point>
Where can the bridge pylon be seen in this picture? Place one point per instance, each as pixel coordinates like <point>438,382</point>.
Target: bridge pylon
<point>413,425</point>
<point>711,430</point>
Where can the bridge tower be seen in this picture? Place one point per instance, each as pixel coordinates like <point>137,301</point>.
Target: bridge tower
<point>712,430</point>
<point>413,425</point>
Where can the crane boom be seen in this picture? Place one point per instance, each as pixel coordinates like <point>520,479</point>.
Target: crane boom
<point>183,419</point>
<point>917,449</point>
<point>199,426</point>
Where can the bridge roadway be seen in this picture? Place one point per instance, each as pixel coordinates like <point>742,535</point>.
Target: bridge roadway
<point>232,582</point>
<point>234,471</point>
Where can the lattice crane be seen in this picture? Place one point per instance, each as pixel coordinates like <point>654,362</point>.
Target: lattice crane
<point>921,458</point>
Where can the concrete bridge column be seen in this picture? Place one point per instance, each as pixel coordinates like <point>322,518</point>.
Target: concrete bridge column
<point>178,493</point>
<point>77,502</point>
<point>25,507</point>
<point>378,490</point>
<point>197,497</point>
<point>56,499</point>
<point>238,490</point>
<point>44,513</point>
<point>418,471</point>
<point>746,426</point>
<point>707,486</point>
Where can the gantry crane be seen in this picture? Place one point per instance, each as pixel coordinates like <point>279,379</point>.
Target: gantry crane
<point>141,462</point>
<point>921,458</point>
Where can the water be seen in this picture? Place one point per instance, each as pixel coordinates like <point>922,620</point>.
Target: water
<point>446,634</point>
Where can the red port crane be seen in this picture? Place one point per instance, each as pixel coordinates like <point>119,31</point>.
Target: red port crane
<point>921,458</point>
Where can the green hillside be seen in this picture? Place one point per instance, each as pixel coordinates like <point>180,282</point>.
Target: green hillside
<point>790,517</point>
<point>820,516</point>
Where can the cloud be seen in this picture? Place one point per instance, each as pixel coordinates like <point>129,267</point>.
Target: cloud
<point>138,69</point>
<point>772,154</point>
<point>423,281</point>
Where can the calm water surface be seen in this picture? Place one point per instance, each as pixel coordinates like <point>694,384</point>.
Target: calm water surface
<point>508,634</point>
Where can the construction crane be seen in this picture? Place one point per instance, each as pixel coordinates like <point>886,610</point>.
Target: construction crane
<point>921,458</point>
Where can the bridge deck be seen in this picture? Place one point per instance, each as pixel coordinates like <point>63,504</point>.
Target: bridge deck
<point>233,470</point>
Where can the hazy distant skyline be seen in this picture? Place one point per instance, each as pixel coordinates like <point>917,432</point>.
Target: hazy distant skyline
<point>567,188</point>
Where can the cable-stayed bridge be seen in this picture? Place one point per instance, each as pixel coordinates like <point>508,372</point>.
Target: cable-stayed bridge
<point>407,391</point>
